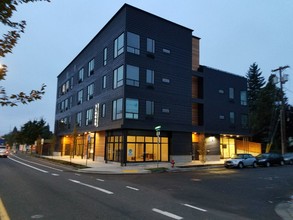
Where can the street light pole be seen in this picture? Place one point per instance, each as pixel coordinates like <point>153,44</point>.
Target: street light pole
<point>282,111</point>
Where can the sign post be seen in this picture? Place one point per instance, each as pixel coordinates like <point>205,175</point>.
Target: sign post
<point>158,129</point>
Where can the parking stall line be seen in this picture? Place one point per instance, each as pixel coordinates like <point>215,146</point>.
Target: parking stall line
<point>43,171</point>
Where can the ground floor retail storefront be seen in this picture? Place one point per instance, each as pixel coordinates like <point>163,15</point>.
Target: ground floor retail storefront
<point>124,146</point>
<point>138,146</point>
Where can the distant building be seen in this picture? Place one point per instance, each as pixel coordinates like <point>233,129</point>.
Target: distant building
<point>141,71</point>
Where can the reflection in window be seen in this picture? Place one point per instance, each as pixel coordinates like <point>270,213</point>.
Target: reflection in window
<point>78,119</point>
<point>150,76</point>
<point>150,107</point>
<point>89,116</point>
<point>243,98</point>
<point>118,77</point>
<point>132,75</point>
<point>232,118</point>
<point>80,75</point>
<point>231,93</point>
<point>105,55</point>
<point>133,43</point>
<point>91,67</point>
<point>131,110</point>
<point>119,45</point>
<point>90,91</point>
<point>150,45</point>
<point>117,109</point>
<point>79,97</point>
<point>104,82</point>
<point>244,121</point>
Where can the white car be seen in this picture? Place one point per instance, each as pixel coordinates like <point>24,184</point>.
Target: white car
<point>3,151</point>
<point>240,161</point>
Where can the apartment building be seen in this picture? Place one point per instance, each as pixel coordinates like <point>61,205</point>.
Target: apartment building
<point>142,72</point>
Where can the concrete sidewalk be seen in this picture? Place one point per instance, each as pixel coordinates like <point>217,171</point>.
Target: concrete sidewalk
<point>131,168</point>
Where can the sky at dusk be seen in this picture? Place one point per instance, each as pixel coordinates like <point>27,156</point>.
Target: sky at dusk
<point>234,34</point>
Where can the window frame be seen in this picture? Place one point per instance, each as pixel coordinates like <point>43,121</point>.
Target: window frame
<point>132,75</point>
<point>117,109</point>
<point>119,45</point>
<point>118,77</point>
<point>133,43</point>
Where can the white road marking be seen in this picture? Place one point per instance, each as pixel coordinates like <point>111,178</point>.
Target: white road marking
<point>44,171</point>
<point>77,174</point>
<point>90,186</point>
<point>194,207</point>
<point>38,164</point>
<point>100,180</point>
<point>55,174</point>
<point>129,187</point>
<point>168,214</point>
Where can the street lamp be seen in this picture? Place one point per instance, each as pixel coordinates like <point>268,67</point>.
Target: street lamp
<point>158,129</point>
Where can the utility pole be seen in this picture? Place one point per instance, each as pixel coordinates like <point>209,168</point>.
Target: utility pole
<point>282,80</point>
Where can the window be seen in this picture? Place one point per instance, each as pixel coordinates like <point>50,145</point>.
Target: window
<point>118,77</point>
<point>66,104</point>
<point>119,45</point>
<point>91,67</point>
<point>105,56</point>
<point>131,110</point>
<point>104,82</point>
<point>89,116</point>
<point>150,107</point>
<point>244,121</point>
<point>80,75</point>
<point>243,98</point>
<point>103,111</point>
<point>231,93</point>
<point>150,45</point>
<point>78,119</point>
<point>150,76</point>
<point>79,97</point>
<point>133,43</point>
<point>232,118</point>
<point>132,75</point>
<point>90,91</point>
<point>117,109</point>
<point>71,83</point>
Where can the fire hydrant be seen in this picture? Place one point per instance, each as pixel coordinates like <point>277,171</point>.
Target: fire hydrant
<point>172,163</point>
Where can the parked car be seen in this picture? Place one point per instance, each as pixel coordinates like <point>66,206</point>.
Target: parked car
<point>268,159</point>
<point>3,151</point>
<point>240,161</point>
<point>288,158</point>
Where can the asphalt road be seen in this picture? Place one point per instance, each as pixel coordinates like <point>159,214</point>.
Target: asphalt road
<point>32,188</point>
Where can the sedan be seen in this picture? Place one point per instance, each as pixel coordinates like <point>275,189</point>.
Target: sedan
<point>3,151</point>
<point>288,158</point>
<point>268,159</point>
<point>240,161</point>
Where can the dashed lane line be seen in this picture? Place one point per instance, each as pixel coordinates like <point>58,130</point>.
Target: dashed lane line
<point>194,207</point>
<point>91,186</point>
<point>129,187</point>
<point>168,214</point>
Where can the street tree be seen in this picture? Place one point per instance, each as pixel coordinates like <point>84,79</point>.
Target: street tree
<point>255,83</point>
<point>34,130</point>
<point>7,43</point>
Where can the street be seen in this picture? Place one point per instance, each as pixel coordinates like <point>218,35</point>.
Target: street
<point>33,188</point>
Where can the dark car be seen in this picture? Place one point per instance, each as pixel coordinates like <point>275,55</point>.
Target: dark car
<point>288,158</point>
<point>268,159</point>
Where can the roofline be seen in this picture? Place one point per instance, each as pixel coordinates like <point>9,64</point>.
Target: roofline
<point>104,27</point>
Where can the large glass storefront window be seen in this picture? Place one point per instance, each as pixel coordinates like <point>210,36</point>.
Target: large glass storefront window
<point>227,146</point>
<point>138,149</point>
